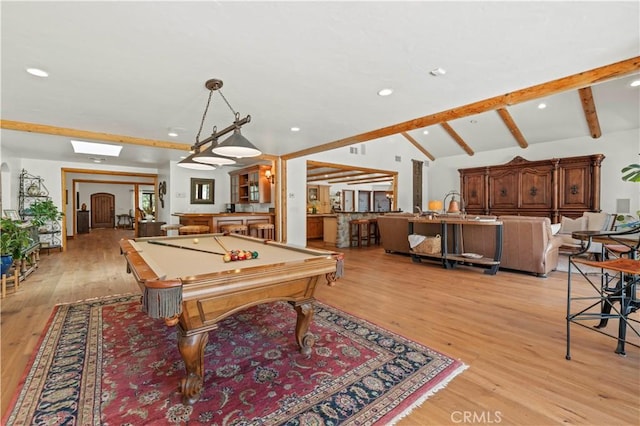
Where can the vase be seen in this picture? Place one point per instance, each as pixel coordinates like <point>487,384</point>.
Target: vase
<point>7,261</point>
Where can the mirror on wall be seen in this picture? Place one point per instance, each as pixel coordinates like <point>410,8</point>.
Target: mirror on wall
<point>202,191</point>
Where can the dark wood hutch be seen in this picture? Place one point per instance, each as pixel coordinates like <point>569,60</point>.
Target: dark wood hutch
<point>553,188</point>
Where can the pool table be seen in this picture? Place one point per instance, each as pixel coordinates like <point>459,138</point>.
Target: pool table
<point>186,281</point>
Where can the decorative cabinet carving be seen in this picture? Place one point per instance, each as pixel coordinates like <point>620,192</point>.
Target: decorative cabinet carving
<point>553,188</point>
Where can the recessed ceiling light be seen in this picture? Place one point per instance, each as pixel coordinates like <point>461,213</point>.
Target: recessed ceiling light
<point>173,133</point>
<point>385,92</point>
<point>81,147</point>
<point>426,132</point>
<point>97,160</point>
<point>542,105</point>
<point>438,72</point>
<point>295,129</point>
<point>37,72</point>
<point>635,83</point>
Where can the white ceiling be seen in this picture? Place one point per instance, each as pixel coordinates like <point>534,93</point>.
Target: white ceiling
<point>138,69</point>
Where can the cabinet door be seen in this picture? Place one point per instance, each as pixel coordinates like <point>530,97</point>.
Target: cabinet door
<point>503,189</point>
<point>254,186</point>
<point>235,189</point>
<point>325,199</point>
<point>575,186</point>
<point>473,192</point>
<point>536,188</point>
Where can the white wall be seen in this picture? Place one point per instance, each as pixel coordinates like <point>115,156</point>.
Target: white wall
<point>380,154</point>
<point>620,149</point>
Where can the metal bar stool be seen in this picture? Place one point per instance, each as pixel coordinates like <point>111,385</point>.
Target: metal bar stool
<point>193,229</point>
<point>359,232</point>
<point>265,231</point>
<point>234,229</point>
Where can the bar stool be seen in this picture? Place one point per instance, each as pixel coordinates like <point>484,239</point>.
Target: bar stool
<point>193,229</point>
<point>234,229</point>
<point>374,232</point>
<point>265,231</point>
<point>359,232</point>
<point>166,228</point>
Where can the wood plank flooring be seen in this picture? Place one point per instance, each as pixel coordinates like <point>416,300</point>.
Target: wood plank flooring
<point>509,329</point>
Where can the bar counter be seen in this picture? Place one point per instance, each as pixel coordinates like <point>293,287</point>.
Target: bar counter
<point>215,220</point>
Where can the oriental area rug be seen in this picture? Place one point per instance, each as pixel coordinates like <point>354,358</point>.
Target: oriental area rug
<point>104,362</point>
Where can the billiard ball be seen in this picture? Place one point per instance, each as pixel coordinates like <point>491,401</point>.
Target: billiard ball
<point>195,241</point>
<point>226,258</point>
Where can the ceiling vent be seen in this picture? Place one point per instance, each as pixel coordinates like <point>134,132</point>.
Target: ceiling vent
<point>353,150</point>
<point>398,159</point>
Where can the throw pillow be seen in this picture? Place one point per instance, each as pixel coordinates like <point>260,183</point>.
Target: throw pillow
<point>555,228</point>
<point>569,225</point>
<point>598,221</point>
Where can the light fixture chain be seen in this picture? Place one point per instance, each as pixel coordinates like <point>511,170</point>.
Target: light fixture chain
<point>204,115</point>
<point>227,102</point>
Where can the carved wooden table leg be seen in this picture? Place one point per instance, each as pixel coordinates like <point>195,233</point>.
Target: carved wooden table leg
<point>192,351</point>
<point>303,337</point>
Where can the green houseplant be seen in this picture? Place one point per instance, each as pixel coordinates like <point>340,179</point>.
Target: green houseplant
<point>631,173</point>
<point>14,239</point>
<point>42,212</point>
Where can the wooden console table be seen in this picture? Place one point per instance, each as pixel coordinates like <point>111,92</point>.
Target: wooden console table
<point>451,257</point>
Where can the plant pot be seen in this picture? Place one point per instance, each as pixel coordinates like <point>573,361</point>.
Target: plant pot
<point>7,261</point>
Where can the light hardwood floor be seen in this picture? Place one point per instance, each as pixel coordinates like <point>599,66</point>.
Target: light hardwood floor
<point>509,329</point>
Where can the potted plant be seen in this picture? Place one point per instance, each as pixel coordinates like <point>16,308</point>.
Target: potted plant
<point>14,239</point>
<point>43,212</point>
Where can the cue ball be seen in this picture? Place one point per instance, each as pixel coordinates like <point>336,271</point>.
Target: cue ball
<point>195,241</point>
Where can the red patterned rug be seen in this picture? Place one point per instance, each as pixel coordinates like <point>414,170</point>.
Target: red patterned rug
<point>104,362</point>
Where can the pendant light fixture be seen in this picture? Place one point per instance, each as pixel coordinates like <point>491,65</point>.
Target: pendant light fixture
<point>219,153</point>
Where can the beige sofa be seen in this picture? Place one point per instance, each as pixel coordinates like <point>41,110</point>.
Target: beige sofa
<point>527,242</point>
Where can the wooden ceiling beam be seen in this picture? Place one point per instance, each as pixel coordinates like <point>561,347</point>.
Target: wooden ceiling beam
<point>456,137</point>
<point>415,143</point>
<point>311,163</point>
<point>513,127</point>
<point>85,134</point>
<point>590,112</point>
<point>362,178</point>
<point>572,82</point>
<point>372,180</point>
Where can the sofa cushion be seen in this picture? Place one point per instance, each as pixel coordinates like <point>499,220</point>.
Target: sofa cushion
<point>569,226</point>
<point>599,221</point>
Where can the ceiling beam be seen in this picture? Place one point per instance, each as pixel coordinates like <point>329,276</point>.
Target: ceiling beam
<point>590,112</point>
<point>372,180</point>
<point>456,137</point>
<point>417,145</point>
<point>513,127</point>
<point>86,134</point>
<point>311,163</point>
<point>572,82</point>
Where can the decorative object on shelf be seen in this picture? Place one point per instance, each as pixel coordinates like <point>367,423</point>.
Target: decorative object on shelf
<point>454,205</point>
<point>33,190</point>
<point>218,153</point>
<point>84,207</point>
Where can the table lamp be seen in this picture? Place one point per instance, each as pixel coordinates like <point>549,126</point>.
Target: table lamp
<point>435,206</point>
